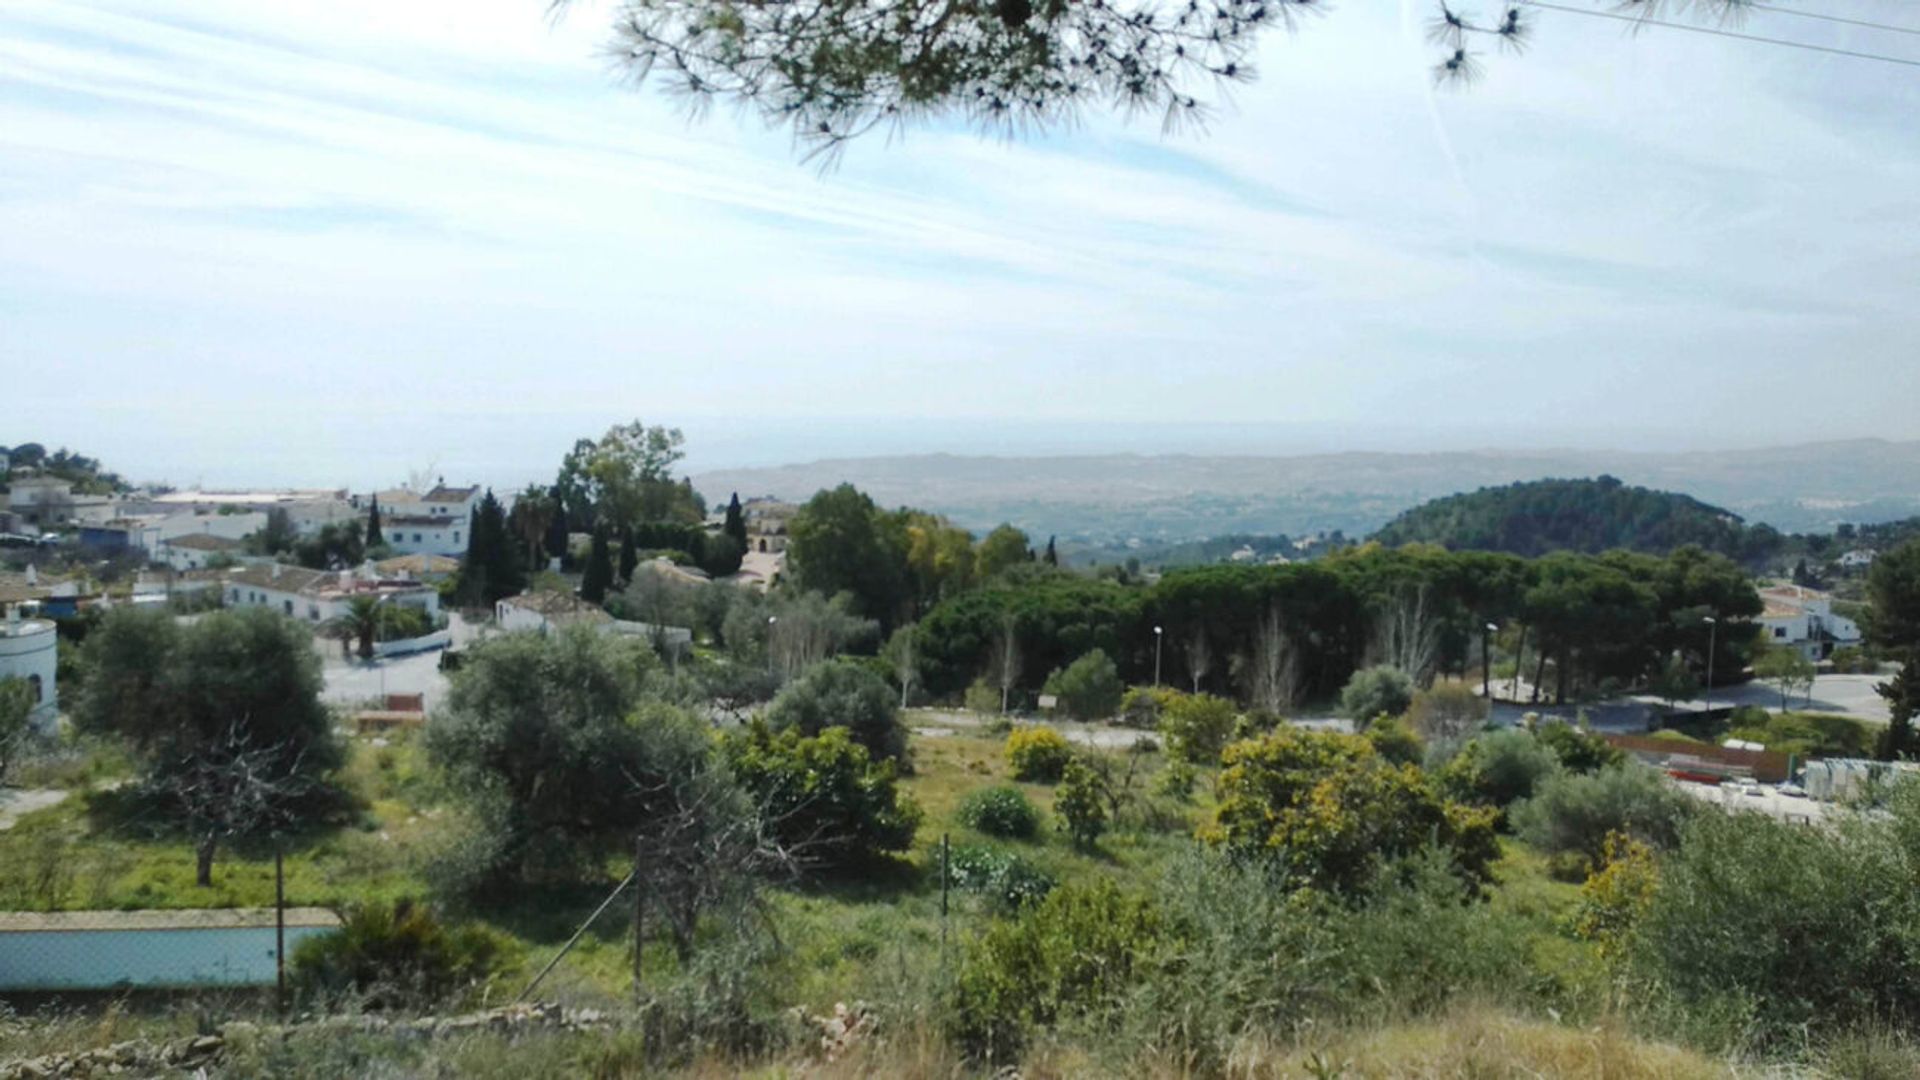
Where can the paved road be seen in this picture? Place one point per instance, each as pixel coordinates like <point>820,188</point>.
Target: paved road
<point>356,682</point>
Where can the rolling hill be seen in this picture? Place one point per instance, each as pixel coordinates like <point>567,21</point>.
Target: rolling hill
<point>1539,516</point>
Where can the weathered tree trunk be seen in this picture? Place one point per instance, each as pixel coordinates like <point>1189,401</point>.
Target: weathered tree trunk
<point>1539,672</point>
<point>1560,683</point>
<point>203,862</point>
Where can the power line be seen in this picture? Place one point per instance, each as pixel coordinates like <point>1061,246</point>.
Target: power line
<point>1835,19</point>
<point>1639,21</point>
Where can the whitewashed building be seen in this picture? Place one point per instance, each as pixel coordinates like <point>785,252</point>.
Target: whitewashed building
<point>194,550</point>
<point>28,652</point>
<point>1803,618</point>
<point>434,523</point>
<point>318,596</point>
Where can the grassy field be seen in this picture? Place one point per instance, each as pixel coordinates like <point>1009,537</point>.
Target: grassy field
<point>874,937</point>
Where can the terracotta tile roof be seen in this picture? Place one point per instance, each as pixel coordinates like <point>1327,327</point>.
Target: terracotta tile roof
<point>289,579</point>
<point>417,564</point>
<point>444,494</point>
<point>559,608</point>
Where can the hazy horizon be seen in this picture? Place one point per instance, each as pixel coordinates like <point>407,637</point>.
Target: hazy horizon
<point>506,452</point>
<point>323,242</point>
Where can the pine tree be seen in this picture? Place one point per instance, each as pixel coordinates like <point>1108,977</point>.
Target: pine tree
<point>374,536</point>
<point>736,525</point>
<point>629,556</point>
<point>599,573</point>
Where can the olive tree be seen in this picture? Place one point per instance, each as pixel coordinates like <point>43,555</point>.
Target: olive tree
<point>223,715</point>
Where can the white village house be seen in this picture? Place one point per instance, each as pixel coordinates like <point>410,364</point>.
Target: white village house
<point>192,551</point>
<point>48,502</point>
<point>436,523</point>
<point>1803,618</point>
<point>317,596</point>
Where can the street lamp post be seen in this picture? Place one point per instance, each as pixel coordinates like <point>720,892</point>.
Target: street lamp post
<point>1713,629</point>
<point>1158,635</point>
<point>1486,662</point>
<point>771,619</point>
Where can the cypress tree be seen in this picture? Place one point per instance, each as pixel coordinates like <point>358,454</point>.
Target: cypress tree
<point>505,574</point>
<point>736,525</point>
<point>1053,557</point>
<point>374,537</point>
<point>629,556</point>
<point>599,573</point>
<point>558,530</point>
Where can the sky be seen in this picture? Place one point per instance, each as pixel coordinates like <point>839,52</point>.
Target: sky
<point>319,242</point>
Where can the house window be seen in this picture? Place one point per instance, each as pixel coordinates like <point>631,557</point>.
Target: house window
<point>416,538</point>
<point>39,691</point>
<point>313,612</point>
<point>1779,631</point>
<point>456,538</point>
<point>288,605</point>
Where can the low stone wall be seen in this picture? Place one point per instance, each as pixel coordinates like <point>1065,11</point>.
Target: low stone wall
<point>439,639</point>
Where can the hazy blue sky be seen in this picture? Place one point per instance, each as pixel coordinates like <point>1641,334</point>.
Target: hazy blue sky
<point>323,241</point>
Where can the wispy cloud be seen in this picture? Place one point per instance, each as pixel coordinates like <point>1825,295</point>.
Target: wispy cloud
<point>453,202</point>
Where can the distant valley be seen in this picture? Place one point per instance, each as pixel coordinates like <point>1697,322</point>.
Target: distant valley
<point>1103,499</point>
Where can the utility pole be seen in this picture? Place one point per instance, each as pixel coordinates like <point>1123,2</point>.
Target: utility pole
<point>1713,629</point>
<point>279,931</point>
<point>1486,662</point>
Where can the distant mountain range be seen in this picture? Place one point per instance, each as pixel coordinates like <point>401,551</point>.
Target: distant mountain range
<point>1104,499</point>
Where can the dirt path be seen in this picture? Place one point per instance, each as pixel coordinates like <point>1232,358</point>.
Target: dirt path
<point>16,803</point>
<point>939,722</point>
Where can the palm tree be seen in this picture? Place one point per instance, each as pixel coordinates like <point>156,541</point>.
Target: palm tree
<point>359,623</point>
<point>533,511</point>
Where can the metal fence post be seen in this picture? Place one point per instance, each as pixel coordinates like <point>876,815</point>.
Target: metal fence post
<point>639,914</point>
<point>279,931</point>
<point>946,854</point>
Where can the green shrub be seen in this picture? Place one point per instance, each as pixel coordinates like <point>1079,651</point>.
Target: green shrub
<point>1794,930</point>
<point>1376,691</point>
<point>1142,706</point>
<point>1007,879</point>
<point>825,795</point>
<point>1805,734</point>
<point>1089,688</point>
<point>1082,810</point>
<point>1394,740</point>
<point>1445,711</point>
<point>1000,811</point>
<point>1175,781</point>
<point>1197,727</point>
<point>1039,754</point>
<point>1330,809</point>
<point>1074,954</point>
<point>981,697</point>
<point>1851,659</point>
<point>1574,812</point>
<point>1578,750</point>
<point>396,955</point>
<point>1498,768</point>
<point>846,694</point>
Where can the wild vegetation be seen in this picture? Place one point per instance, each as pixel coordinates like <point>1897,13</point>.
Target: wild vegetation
<point>783,833</point>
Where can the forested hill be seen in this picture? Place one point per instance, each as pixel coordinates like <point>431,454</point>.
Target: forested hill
<point>1595,515</point>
